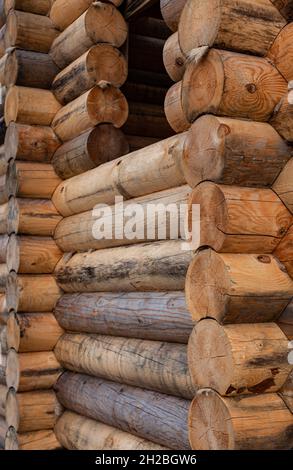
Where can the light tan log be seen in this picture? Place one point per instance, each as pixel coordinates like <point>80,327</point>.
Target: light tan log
<point>89,150</point>
<point>228,151</point>
<point>283,185</point>
<point>173,109</point>
<point>258,422</point>
<point>32,180</point>
<point>37,217</point>
<point>171,11</point>
<point>153,118</point>
<point>32,293</point>
<point>158,316</point>
<point>126,176</point>
<point>65,12</point>
<point>3,398</point>
<point>150,415</point>
<point>35,440</point>
<point>231,84</point>
<point>162,216</point>
<point>281,52</point>
<point>282,118</point>
<point>152,365</point>
<point>218,23</point>
<point>101,62</point>
<point>285,7</point>
<point>37,255</point>
<point>102,104</point>
<point>32,411</point>
<point>29,31</point>
<point>26,68</point>
<point>238,359</point>
<point>30,106</point>
<point>285,321</point>
<point>41,7</point>
<point>75,432</point>
<point>158,266</point>
<point>32,371</point>
<point>287,392</point>
<point>33,332</point>
<point>100,23</point>
<point>218,149</point>
<point>174,59</point>
<point>237,288</point>
<point>30,143</point>
<point>239,220</point>
<point>284,251</point>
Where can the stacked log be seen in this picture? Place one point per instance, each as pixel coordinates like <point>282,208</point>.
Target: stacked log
<point>29,330</point>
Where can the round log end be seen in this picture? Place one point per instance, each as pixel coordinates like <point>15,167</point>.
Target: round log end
<point>173,109</point>
<point>204,150</point>
<point>104,23</point>
<point>11,141</point>
<point>213,214</point>
<point>13,216</point>
<point>205,286</point>
<point>106,143</point>
<point>12,409</point>
<point>11,105</point>
<point>11,180</point>
<point>107,104</point>
<point>107,63</point>
<point>9,5</point>
<point>209,422</point>
<point>202,85</point>
<point>12,292</point>
<point>13,254</point>
<point>11,29</point>
<point>11,441</point>
<point>13,332</point>
<point>209,356</point>
<point>199,24</point>
<point>12,370</point>
<point>11,69</point>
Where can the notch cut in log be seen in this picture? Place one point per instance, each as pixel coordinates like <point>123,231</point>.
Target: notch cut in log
<point>150,415</point>
<point>282,117</point>
<point>238,359</point>
<point>284,251</point>
<point>32,106</point>
<point>220,23</point>
<point>285,321</point>
<point>231,84</point>
<point>100,23</point>
<point>92,148</point>
<point>76,432</point>
<point>102,104</point>
<point>247,423</point>
<point>283,185</point>
<point>157,316</point>
<point>26,372</point>
<point>282,50</point>
<point>237,288</point>
<point>101,63</point>
<point>30,143</point>
<point>153,365</point>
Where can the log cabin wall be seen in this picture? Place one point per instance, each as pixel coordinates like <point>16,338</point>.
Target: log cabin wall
<point>147,365</point>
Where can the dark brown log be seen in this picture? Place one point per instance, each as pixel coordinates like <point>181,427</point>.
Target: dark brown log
<point>89,150</point>
<point>135,7</point>
<point>158,316</point>
<point>150,26</point>
<point>138,92</point>
<point>138,142</point>
<point>31,143</point>
<point>285,7</point>
<point>154,416</point>
<point>153,118</point>
<point>146,53</point>
<point>17,65</point>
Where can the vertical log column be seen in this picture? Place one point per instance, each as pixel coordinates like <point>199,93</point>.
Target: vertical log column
<point>28,250</point>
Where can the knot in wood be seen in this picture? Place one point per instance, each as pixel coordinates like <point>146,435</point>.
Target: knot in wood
<point>264,259</point>
<point>251,88</point>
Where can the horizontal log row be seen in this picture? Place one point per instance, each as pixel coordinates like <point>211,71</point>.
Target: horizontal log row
<point>232,219</point>
<point>210,422</point>
<point>219,149</point>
